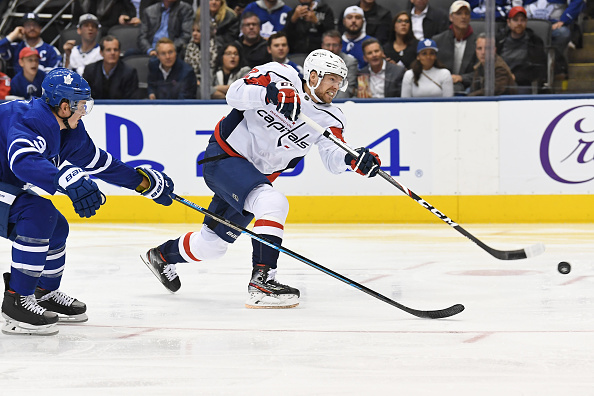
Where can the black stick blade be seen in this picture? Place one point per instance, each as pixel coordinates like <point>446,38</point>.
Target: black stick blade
<point>439,314</point>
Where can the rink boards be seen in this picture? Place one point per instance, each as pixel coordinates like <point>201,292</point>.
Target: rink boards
<point>511,160</point>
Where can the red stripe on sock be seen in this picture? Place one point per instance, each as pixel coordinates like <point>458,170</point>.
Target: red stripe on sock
<point>268,223</point>
<point>187,246</point>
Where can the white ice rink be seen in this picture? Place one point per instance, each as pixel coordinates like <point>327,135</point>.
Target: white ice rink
<point>526,330</point>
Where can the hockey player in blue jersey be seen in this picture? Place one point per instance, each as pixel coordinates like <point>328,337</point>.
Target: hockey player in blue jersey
<point>260,138</point>
<point>36,138</point>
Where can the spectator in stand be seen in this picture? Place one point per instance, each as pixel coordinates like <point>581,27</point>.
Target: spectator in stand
<point>109,12</point>
<point>504,79</point>
<point>354,34</point>
<point>523,51</point>
<point>428,77</point>
<point>377,20</point>
<point>224,19</point>
<point>331,41</point>
<point>254,50</point>
<point>456,46</point>
<point>193,55</point>
<point>136,4</point>
<point>229,68</point>
<point>478,9</point>
<point>29,35</point>
<point>142,4</point>
<point>169,77</point>
<point>110,78</point>
<point>379,79</point>
<point>402,48</point>
<point>76,57</point>
<point>562,14</point>
<point>427,21</point>
<point>306,24</point>
<point>4,86</point>
<point>272,15</point>
<point>27,83</point>
<point>171,19</point>
<point>278,48</point>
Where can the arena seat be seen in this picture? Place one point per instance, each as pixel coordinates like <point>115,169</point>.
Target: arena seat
<point>127,35</point>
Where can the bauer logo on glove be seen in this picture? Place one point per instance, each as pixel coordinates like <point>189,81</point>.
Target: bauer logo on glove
<point>160,186</point>
<point>82,191</point>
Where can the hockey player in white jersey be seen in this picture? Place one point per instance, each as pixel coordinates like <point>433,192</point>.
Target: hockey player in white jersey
<point>260,138</point>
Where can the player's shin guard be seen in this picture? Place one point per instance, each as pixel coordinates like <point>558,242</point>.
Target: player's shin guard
<point>270,209</point>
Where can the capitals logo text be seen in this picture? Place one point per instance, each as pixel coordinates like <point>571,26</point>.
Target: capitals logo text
<point>284,130</point>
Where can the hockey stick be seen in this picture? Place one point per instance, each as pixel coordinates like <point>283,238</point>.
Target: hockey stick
<point>530,251</point>
<point>442,313</point>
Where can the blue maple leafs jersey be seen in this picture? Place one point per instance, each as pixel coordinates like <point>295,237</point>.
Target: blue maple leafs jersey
<point>32,147</point>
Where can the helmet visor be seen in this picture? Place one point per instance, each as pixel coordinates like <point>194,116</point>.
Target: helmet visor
<point>83,107</point>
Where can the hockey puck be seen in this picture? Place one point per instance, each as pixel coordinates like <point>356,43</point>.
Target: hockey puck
<point>564,267</point>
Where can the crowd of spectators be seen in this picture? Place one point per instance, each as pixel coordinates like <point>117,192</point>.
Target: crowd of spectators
<point>420,51</point>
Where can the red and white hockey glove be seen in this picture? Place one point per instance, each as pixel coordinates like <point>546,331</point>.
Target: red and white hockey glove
<point>285,97</point>
<point>367,164</point>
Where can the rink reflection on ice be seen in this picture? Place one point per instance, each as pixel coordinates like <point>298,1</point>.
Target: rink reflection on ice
<point>526,330</point>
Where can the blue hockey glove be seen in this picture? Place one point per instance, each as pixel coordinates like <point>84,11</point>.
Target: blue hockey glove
<point>285,97</point>
<point>160,187</point>
<point>368,162</point>
<point>83,192</point>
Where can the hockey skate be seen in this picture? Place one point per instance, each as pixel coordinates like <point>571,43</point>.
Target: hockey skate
<point>24,316</point>
<point>165,272</point>
<point>69,309</point>
<point>265,292</point>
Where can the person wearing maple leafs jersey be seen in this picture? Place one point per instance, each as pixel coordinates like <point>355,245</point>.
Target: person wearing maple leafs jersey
<point>259,139</point>
<point>45,144</point>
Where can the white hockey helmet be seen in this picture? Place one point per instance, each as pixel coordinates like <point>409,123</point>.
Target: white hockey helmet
<point>323,61</point>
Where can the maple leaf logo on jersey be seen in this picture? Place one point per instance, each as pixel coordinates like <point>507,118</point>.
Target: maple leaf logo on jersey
<point>68,79</point>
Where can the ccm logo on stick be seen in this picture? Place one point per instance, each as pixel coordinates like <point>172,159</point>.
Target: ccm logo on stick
<point>436,212</point>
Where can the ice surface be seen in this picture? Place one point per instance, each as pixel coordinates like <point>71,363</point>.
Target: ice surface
<point>526,330</point>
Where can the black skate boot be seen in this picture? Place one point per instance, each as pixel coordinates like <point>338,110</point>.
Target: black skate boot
<point>265,292</point>
<point>24,316</point>
<point>69,309</point>
<point>163,271</point>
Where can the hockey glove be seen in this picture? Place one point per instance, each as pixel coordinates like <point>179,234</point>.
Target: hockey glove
<point>83,192</point>
<point>367,163</point>
<point>160,186</point>
<point>285,97</point>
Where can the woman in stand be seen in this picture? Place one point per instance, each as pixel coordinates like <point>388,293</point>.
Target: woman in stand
<point>428,77</point>
<point>402,48</point>
<point>225,20</point>
<point>193,53</point>
<point>230,67</point>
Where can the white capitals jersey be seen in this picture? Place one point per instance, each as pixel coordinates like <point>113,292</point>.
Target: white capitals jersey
<point>267,139</point>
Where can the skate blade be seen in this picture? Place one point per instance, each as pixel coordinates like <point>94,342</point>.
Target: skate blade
<point>14,327</point>
<point>156,273</point>
<point>65,319</point>
<point>271,301</point>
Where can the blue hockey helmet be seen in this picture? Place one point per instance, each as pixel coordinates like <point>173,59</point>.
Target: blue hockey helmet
<point>62,83</point>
